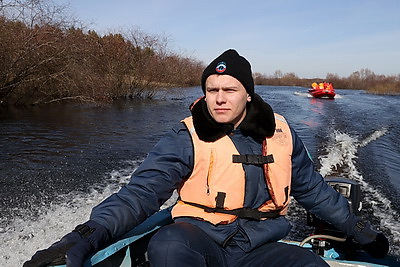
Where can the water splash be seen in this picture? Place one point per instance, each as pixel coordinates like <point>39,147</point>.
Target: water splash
<point>22,238</point>
<point>302,94</point>
<point>341,151</point>
<point>375,135</point>
<point>341,158</point>
<point>27,235</point>
<point>306,94</point>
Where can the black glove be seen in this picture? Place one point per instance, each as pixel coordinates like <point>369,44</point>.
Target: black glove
<point>373,242</point>
<point>73,248</point>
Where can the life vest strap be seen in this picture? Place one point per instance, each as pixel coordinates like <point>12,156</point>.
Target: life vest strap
<point>253,159</point>
<point>244,213</point>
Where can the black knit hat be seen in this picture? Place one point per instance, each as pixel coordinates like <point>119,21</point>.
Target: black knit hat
<point>230,63</point>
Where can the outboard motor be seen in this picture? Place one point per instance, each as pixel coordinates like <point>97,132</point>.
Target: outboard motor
<point>351,190</point>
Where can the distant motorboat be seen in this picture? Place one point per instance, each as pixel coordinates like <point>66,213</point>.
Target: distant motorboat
<point>322,90</point>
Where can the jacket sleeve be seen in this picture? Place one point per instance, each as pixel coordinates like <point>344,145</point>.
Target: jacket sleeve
<point>163,170</point>
<point>314,194</point>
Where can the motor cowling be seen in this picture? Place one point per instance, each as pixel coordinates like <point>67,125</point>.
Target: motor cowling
<point>351,190</point>
<point>348,188</point>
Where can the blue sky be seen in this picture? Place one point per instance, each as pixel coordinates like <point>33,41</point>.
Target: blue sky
<point>308,37</point>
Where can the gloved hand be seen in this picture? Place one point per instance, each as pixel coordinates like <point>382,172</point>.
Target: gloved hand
<point>373,242</point>
<point>73,248</point>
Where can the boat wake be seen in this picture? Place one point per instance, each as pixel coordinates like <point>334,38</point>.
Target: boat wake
<point>340,160</point>
<point>310,96</point>
<point>24,236</point>
<point>302,94</point>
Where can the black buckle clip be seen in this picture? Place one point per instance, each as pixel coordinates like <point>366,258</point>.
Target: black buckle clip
<point>84,230</point>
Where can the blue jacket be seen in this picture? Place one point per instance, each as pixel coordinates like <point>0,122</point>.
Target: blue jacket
<point>171,161</point>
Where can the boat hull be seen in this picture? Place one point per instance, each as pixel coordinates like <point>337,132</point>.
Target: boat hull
<point>131,249</point>
<point>322,93</point>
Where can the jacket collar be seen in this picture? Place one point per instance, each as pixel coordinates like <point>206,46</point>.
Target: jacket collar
<point>258,123</point>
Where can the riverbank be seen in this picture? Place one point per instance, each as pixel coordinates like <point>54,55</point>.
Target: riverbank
<point>359,80</point>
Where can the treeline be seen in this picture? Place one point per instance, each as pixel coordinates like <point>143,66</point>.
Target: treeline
<point>364,79</point>
<point>45,58</point>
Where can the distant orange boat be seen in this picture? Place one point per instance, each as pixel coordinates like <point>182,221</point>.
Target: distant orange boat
<point>322,90</point>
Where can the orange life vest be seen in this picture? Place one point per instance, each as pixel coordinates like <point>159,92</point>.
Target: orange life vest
<point>216,186</point>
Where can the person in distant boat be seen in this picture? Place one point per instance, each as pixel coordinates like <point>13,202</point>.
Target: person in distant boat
<point>329,86</point>
<point>321,85</point>
<point>235,164</point>
<point>314,85</point>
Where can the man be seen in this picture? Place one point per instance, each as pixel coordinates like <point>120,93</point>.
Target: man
<point>234,163</point>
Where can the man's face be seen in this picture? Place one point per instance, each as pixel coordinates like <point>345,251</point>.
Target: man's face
<point>226,99</point>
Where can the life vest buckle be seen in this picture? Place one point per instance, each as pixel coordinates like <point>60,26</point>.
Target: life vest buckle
<point>253,159</point>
